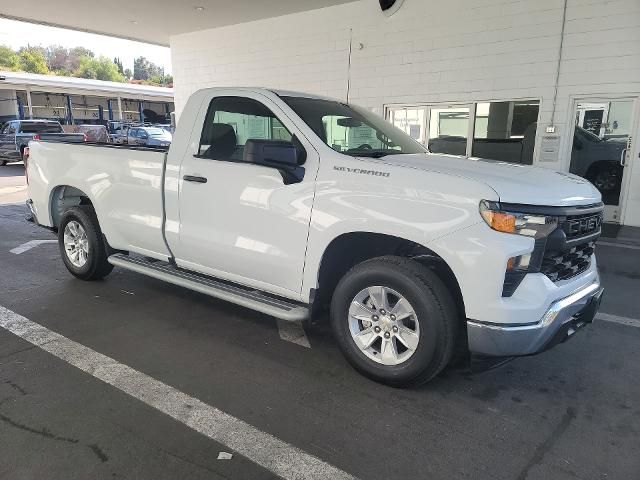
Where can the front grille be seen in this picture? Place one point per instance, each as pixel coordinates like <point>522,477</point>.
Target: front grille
<point>576,226</point>
<point>567,264</point>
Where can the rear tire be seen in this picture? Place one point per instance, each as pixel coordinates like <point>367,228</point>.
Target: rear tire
<point>411,339</point>
<point>3,163</point>
<point>83,249</point>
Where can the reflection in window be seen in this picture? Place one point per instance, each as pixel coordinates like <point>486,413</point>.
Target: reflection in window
<point>410,121</point>
<point>448,127</point>
<point>506,131</point>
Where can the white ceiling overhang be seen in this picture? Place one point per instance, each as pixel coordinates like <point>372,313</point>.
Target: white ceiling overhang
<point>152,21</point>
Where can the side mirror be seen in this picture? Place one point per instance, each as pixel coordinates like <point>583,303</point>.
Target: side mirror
<point>278,154</point>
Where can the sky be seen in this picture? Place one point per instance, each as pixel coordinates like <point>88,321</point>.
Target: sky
<point>20,34</point>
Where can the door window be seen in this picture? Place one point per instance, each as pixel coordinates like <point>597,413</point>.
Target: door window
<point>231,121</point>
<point>9,129</point>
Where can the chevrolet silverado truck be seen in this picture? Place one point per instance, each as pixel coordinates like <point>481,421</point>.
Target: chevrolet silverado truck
<point>284,202</point>
<point>15,135</point>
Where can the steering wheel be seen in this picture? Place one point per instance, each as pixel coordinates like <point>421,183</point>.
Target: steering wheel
<point>365,146</point>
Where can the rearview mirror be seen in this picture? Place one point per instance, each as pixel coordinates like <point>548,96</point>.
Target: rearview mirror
<point>349,122</point>
<point>278,154</point>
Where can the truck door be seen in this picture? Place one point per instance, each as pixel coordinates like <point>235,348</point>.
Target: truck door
<point>238,220</point>
<point>8,140</point>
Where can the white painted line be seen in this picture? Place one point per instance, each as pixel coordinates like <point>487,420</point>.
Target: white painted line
<point>29,245</point>
<point>619,245</point>
<point>631,322</point>
<point>293,331</point>
<point>264,449</point>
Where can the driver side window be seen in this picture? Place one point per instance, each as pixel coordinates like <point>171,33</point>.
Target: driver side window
<point>231,122</point>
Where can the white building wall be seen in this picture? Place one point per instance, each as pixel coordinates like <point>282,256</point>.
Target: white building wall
<point>430,52</point>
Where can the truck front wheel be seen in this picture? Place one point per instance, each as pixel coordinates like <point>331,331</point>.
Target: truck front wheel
<point>82,247</point>
<point>395,321</point>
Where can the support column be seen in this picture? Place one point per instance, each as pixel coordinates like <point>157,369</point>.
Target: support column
<point>141,110</point>
<point>69,111</point>
<point>120,115</point>
<point>110,108</point>
<point>29,103</point>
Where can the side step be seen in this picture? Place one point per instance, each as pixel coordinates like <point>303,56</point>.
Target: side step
<point>253,299</point>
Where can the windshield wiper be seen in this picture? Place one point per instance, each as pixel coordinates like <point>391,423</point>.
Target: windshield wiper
<point>375,154</point>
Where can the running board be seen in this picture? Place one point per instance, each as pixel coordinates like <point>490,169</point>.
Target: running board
<point>253,299</point>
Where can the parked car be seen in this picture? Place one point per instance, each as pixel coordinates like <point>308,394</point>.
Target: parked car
<point>149,136</point>
<point>421,258</point>
<point>92,133</point>
<point>599,161</point>
<point>15,135</point>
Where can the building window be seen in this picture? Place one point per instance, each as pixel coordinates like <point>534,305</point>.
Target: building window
<point>503,131</point>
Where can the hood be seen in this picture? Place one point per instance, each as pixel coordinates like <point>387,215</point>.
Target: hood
<point>512,182</point>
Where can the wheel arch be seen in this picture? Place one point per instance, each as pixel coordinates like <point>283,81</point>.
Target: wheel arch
<point>349,249</point>
<point>62,198</point>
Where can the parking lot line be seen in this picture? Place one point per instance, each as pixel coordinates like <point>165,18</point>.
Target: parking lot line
<point>29,245</point>
<point>264,449</point>
<point>631,322</point>
<point>293,331</point>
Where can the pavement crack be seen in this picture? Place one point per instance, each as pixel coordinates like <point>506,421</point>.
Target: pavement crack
<point>43,432</point>
<point>548,444</point>
<point>98,452</point>
<point>17,387</point>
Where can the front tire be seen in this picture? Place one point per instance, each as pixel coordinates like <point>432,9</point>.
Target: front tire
<point>395,321</point>
<point>3,163</point>
<point>82,247</point>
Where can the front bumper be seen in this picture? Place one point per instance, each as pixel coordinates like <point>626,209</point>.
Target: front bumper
<point>563,318</point>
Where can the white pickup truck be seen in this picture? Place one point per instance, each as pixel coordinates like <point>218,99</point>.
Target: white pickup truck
<point>285,202</point>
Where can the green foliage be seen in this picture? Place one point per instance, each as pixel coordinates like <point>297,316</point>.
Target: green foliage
<point>32,60</point>
<point>149,72</point>
<point>100,68</point>
<point>80,62</point>
<point>9,60</point>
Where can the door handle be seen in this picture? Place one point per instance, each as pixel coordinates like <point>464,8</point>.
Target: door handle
<point>194,179</point>
<point>623,154</point>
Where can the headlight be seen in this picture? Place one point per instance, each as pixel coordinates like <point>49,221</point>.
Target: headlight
<point>507,221</point>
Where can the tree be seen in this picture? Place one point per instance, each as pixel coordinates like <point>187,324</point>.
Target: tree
<point>58,59</point>
<point>118,63</point>
<point>100,68</point>
<point>141,68</point>
<point>32,60</point>
<point>9,60</point>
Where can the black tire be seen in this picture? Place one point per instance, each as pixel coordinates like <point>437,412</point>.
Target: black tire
<point>96,266</point>
<point>3,163</point>
<point>432,303</point>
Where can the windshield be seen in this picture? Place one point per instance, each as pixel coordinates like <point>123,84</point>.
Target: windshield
<point>352,130</point>
<point>586,134</point>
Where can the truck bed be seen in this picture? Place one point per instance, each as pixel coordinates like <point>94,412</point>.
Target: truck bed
<point>124,184</point>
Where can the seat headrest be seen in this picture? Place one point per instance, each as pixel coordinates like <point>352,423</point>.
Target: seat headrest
<point>221,138</point>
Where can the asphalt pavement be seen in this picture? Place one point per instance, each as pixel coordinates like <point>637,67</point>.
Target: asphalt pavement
<point>569,413</point>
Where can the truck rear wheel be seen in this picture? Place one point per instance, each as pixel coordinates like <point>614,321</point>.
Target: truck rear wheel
<point>395,321</point>
<point>82,247</point>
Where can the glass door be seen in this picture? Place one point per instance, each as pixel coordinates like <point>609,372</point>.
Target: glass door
<point>601,147</point>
